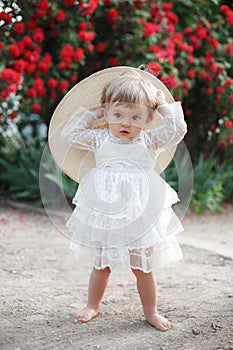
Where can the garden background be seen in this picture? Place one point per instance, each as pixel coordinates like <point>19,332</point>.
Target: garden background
<point>46,47</point>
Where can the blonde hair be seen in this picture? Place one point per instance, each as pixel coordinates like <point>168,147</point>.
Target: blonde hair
<point>131,87</point>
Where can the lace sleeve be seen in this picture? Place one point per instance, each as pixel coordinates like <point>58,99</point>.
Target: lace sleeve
<point>76,131</point>
<point>173,129</point>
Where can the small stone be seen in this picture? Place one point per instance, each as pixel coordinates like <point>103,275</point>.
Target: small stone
<point>195,331</point>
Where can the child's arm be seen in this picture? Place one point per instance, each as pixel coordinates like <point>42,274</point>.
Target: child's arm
<point>76,131</point>
<point>173,129</point>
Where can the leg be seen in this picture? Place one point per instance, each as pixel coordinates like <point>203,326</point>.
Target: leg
<point>146,285</point>
<point>97,285</point>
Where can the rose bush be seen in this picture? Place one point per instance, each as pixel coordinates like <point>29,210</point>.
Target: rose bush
<point>48,46</point>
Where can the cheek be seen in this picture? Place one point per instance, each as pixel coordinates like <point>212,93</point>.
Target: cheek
<point>135,130</point>
<point>113,127</point>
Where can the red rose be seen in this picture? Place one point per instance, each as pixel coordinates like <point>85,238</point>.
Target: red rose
<point>32,56</point>
<point>201,32</point>
<point>220,89</point>
<point>87,10</point>
<point>36,107</point>
<point>39,86</point>
<point>228,82</point>
<point>10,76</point>
<point>212,127</point>
<point>230,138</point>
<point>42,7</point>
<point>31,93</point>
<point>112,16</point>
<point>113,61</point>
<point>13,115</point>
<point>63,85</point>
<point>19,27</point>
<point>53,95</point>
<point>74,78</point>
<point>4,16</point>
<point>90,47</point>
<point>20,65</point>
<point>209,91</point>
<point>229,49</point>
<point>191,73</point>
<point>15,50</point>
<point>52,83</point>
<point>67,53</point>
<point>4,94</point>
<point>229,124</point>
<point>83,25</point>
<point>60,16</point>
<point>203,75</point>
<point>79,54</point>
<point>229,18</point>
<point>38,35</point>
<point>188,31</point>
<point>86,35</point>
<point>223,144</point>
<point>150,29</point>
<point>43,67</point>
<point>154,68</point>
<point>30,68</point>
<point>100,47</point>
<point>12,88</point>
<point>191,59</point>
<point>172,17</point>
<point>169,81</point>
<point>167,6</point>
<point>27,41</point>
<point>69,2</point>
<point>224,8</point>
<point>1,46</point>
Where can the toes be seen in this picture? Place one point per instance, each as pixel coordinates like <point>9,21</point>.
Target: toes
<point>85,315</point>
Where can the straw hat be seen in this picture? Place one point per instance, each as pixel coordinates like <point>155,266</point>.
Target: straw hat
<point>75,162</point>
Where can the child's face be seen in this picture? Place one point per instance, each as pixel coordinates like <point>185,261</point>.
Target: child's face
<point>126,121</point>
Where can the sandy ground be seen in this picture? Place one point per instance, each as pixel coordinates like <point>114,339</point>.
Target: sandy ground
<point>41,287</point>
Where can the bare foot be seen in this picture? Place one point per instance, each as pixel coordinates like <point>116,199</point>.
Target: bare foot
<point>86,314</point>
<point>158,321</point>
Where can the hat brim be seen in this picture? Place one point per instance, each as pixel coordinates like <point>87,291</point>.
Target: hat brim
<point>76,162</point>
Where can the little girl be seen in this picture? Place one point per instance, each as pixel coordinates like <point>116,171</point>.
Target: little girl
<point>123,218</point>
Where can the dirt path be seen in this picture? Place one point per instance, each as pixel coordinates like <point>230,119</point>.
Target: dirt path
<point>41,286</point>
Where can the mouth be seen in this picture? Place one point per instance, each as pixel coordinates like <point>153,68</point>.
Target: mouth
<point>124,132</point>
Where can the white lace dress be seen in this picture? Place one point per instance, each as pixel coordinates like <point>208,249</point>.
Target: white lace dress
<point>123,217</point>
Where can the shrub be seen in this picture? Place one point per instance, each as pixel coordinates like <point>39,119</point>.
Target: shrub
<point>46,47</point>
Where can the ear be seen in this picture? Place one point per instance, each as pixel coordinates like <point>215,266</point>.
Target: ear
<point>100,113</point>
<point>104,112</point>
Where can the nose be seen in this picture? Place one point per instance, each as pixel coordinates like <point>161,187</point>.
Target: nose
<point>125,123</point>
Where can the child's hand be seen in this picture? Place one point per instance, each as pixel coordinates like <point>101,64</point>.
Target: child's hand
<point>160,97</point>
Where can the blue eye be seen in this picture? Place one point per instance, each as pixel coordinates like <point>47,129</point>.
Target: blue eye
<point>117,115</point>
<point>135,117</point>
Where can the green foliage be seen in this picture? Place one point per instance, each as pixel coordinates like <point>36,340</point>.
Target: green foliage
<point>23,176</point>
<point>208,185</point>
<point>20,171</point>
<point>212,182</point>
<point>48,46</point>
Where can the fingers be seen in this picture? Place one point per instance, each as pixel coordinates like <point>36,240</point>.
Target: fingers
<point>160,97</point>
